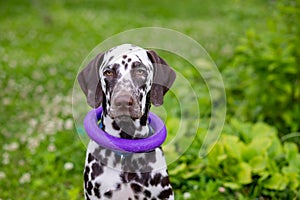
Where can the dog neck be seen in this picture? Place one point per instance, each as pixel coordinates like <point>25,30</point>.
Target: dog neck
<point>126,128</point>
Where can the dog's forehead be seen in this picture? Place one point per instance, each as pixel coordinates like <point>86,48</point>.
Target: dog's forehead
<point>125,55</point>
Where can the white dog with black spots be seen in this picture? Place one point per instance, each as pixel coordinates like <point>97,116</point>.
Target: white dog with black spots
<point>126,80</point>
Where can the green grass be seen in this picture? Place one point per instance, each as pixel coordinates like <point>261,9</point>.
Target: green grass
<point>42,45</point>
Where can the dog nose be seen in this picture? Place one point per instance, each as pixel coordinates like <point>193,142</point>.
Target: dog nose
<point>124,101</point>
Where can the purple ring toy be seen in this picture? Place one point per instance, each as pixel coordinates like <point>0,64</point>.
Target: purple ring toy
<point>120,144</point>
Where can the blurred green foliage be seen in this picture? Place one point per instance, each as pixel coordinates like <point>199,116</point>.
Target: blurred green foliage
<point>248,161</point>
<point>265,82</point>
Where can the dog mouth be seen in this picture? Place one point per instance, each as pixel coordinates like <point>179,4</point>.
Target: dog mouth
<point>123,119</point>
<point>124,114</point>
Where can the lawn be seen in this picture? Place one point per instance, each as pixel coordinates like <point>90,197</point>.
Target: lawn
<point>43,44</point>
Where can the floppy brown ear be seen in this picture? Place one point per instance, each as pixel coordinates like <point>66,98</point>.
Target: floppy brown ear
<point>89,82</point>
<point>164,76</point>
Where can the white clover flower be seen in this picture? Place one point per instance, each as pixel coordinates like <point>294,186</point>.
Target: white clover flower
<point>69,124</point>
<point>33,143</point>
<point>2,175</point>
<point>68,166</point>
<point>186,195</point>
<point>39,88</point>
<point>222,189</point>
<point>33,122</point>
<point>50,128</point>
<point>51,148</point>
<point>11,147</point>
<point>6,101</point>
<point>5,159</point>
<point>25,178</point>
<point>21,162</point>
<point>59,124</point>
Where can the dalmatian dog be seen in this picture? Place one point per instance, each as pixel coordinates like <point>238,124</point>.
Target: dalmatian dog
<point>126,80</point>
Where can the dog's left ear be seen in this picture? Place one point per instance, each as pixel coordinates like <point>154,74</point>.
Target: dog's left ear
<point>89,82</point>
<point>164,76</point>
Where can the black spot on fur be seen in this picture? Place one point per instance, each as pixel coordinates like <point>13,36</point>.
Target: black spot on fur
<point>107,153</point>
<point>165,194</point>
<point>126,177</point>
<point>96,170</point>
<point>97,192</point>
<point>89,188</point>
<point>139,59</point>
<point>118,186</point>
<point>97,185</point>
<point>124,56</point>
<point>125,135</point>
<point>97,151</point>
<point>150,156</point>
<point>135,164</point>
<point>90,158</point>
<point>165,181</point>
<point>144,118</point>
<point>140,97</point>
<point>115,126</point>
<point>129,59</point>
<point>108,194</point>
<point>117,159</point>
<point>99,157</point>
<point>147,193</point>
<point>155,180</point>
<point>86,176</point>
<point>110,58</point>
<point>145,178</point>
<point>136,188</point>
<point>104,106</point>
<point>143,87</point>
<point>142,161</point>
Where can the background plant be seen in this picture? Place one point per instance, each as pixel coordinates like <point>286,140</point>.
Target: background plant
<point>43,44</point>
<point>265,84</point>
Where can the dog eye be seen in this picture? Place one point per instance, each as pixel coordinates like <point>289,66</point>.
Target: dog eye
<point>140,72</point>
<point>108,73</point>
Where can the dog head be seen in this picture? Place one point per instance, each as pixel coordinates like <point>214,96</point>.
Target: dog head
<point>125,80</point>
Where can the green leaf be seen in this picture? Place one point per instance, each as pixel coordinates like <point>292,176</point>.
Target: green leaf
<point>276,182</point>
<point>275,148</point>
<point>192,173</point>
<point>232,146</point>
<point>217,155</point>
<point>261,129</point>
<point>232,185</point>
<point>295,163</point>
<point>294,178</point>
<point>258,164</point>
<point>263,176</point>
<point>290,150</point>
<point>258,146</point>
<point>242,128</point>
<point>272,166</point>
<point>244,174</point>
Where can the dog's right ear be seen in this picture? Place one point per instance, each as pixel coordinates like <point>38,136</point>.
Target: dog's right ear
<point>90,83</point>
<point>164,77</point>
